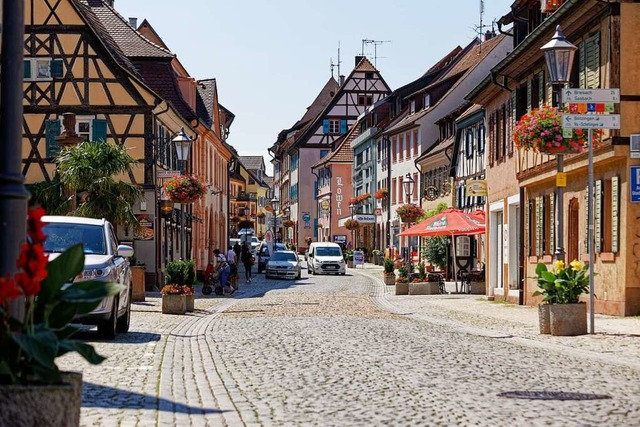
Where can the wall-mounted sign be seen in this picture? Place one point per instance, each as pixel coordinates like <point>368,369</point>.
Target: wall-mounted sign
<point>634,183</point>
<point>325,205</point>
<point>145,229</point>
<point>561,179</point>
<point>476,188</point>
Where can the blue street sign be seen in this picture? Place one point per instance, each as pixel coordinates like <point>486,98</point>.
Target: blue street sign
<point>306,217</point>
<point>634,183</point>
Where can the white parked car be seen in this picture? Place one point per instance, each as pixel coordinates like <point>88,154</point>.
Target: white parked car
<point>284,264</point>
<point>325,257</point>
<point>104,260</point>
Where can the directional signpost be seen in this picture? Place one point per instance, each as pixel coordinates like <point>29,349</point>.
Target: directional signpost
<point>597,102</point>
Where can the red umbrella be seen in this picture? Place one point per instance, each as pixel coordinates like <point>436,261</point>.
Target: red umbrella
<point>447,223</point>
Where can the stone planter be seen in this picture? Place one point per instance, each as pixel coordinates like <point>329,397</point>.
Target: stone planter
<point>478,288</point>
<point>402,288</point>
<point>350,263</point>
<point>174,304</point>
<point>190,301</point>
<point>42,405</point>
<point>424,288</point>
<point>138,273</point>
<point>568,319</point>
<point>390,280</point>
<point>544,318</point>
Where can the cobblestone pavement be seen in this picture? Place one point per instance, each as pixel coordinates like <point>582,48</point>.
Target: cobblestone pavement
<point>344,351</point>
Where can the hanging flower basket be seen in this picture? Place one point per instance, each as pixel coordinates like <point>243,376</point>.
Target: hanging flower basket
<point>409,212</point>
<point>382,194</point>
<point>185,189</point>
<point>541,130</point>
<point>287,223</point>
<point>351,224</point>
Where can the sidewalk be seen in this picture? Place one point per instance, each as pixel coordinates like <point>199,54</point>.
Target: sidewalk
<point>474,314</point>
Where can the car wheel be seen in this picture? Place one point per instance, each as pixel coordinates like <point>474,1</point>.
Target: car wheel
<point>107,328</point>
<point>124,321</point>
<point>342,274</point>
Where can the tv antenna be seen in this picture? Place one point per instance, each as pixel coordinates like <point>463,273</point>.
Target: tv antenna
<point>336,64</point>
<point>375,44</point>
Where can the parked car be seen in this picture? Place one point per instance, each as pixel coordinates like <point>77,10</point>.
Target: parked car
<point>325,257</point>
<point>104,259</point>
<point>283,264</point>
<point>263,255</point>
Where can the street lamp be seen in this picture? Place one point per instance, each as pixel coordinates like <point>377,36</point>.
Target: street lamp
<point>408,183</point>
<point>183,143</point>
<point>559,54</point>
<point>275,204</point>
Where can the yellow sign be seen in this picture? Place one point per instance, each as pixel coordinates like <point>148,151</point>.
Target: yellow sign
<point>476,188</point>
<point>325,205</point>
<point>561,179</point>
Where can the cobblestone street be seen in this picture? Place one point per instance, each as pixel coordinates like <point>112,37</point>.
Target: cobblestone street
<point>343,350</point>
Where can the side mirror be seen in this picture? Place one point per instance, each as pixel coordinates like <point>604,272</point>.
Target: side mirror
<point>125,251</point>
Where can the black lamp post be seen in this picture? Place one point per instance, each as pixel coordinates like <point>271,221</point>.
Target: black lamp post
<point>559,54</point>
<point>352,209</point>
<point>275,204</point>
<point>408,183</point>
<point>183,144</point>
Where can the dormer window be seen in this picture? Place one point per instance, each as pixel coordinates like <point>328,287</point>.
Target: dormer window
<point>427,100</point>
<point>412,107</point>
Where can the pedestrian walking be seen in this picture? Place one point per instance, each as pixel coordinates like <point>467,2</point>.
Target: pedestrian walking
<point>222,267</point>
<point>232,259</point>
<point>237,249</point>
<point>248,260</point>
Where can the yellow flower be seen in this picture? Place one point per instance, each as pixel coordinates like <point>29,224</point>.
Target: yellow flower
<point>559,265</point>
<point>576,265</point>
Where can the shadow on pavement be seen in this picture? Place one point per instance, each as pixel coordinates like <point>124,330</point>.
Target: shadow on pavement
<point>101,396</point>
<point>131,337</point>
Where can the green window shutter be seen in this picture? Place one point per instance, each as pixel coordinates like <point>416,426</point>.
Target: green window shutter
<point>597,217</point>
<point>56,67</point>
<point>592,61</point>
<point>541,91</point>
<point>615,207</point>
<point>27,69</point>
<point>582,64</point>
<point>527,224</point>
<point>99,132</point>
<point>529,94</point>
<point>539,226</point>
<point>52,128</point>
<point>552,223</point>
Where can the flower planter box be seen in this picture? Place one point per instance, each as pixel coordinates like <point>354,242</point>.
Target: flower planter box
<point>478,288</point>
<point>138,278</point>
<point>424,288</point>
<point>350,264</point>
<point>402,288</point>
<point>390,280</point>
<point>568,319</point>
<point>544,319</point>
<point>190,302</point>
<point>174,304</point>
<point>39,405</point>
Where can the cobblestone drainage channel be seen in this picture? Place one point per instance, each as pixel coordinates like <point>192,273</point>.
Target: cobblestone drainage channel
<point>552,395</point>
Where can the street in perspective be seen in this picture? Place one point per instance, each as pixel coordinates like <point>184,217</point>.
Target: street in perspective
<point>345,350</point>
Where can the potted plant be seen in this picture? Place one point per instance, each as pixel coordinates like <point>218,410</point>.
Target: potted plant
<point>389,274</point>
<point>419,284</point>
<point>180,273</point>
<point>409,212</point>
<point>138,272</point>
<point>541,130</point>
<point>382,194</point>
<point>402,281</point>
<point>351,224</point>
<point>33,391</point>
<point>173,299</point>
<point>561,289</point>
<point>348,256</point>
<point>184,189</point>
<point>435,251</point>
<point>378,256</point>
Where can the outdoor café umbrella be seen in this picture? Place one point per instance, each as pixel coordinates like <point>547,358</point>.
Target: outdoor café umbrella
<point>449,222</point>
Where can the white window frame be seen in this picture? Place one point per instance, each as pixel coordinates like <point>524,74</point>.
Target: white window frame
<point>33,63</point>
<point>334,126</point>
<point>80,119</point>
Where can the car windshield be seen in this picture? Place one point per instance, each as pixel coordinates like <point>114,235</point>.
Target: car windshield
<point>328,251</point>
<point>283,256</point>
<point>60,236</point>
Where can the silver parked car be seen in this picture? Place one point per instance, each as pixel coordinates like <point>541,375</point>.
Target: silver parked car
<point>104,260</point>
<point>284,264</point>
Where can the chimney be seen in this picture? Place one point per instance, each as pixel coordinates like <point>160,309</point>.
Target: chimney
<point>488,35</point>
<point>358,59</point>
<point>341,81</point>
<point>133,22</point>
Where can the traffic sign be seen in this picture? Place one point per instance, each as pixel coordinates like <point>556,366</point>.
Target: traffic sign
<point>634,183</point>
<point>591,121</point>
<point>590,95</point>
<point>306,217</point>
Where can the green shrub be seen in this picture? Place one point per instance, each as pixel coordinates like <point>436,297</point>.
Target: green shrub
<point>180,272</point>
<point>435,251</point>
<point>403,271</point>
<point>388,265</point>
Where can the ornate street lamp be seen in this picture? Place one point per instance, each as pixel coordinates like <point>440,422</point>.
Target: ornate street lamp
<point>183,143</point>
<point>275,205</point>
<point>559,54</point>
<point>408,184</point>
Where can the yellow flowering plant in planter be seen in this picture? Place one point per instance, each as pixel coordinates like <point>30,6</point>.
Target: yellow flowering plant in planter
<point>562,285</point>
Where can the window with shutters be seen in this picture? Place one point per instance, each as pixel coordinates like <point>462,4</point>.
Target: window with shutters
<point>393,191</point>
<point>481,138</point>
<point>533,235</point>
<point>334,126</point>
<point>606,215</point>
<point>589,62</point>
<point>42,69</point>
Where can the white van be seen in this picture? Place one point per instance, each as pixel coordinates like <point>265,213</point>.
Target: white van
<point>325,257</point>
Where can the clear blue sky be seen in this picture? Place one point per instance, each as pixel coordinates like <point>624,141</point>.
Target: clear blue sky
<point>271,58</point>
